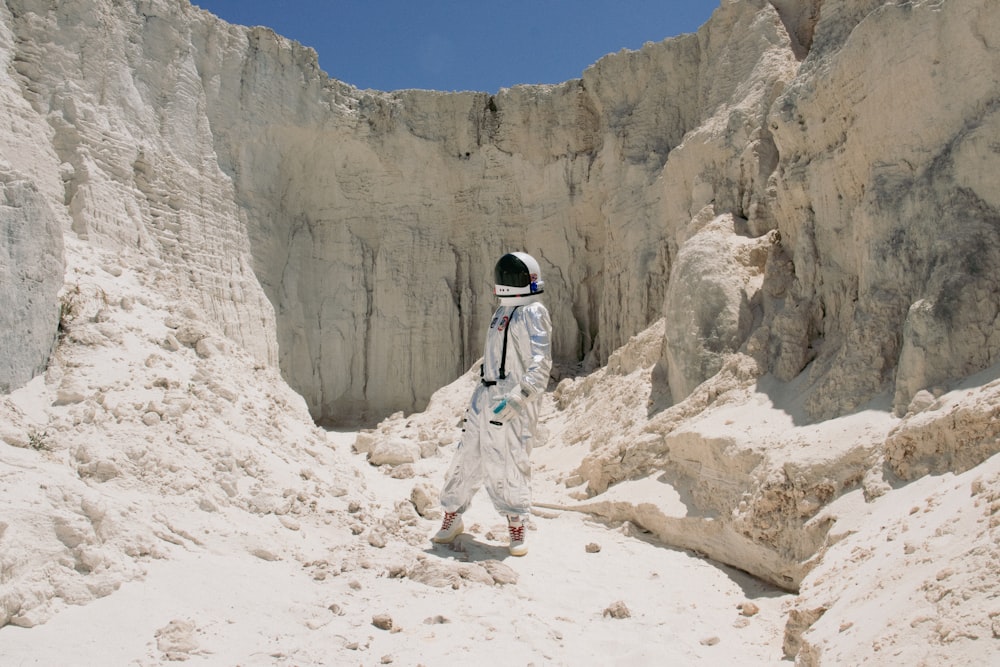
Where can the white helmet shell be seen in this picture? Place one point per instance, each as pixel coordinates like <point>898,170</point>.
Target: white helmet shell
<point>517,274</point>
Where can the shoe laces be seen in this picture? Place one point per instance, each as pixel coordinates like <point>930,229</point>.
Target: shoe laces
<point>449,518</point>
<point>516,533</point>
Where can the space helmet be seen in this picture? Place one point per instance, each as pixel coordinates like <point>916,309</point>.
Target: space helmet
<point>517,274</point>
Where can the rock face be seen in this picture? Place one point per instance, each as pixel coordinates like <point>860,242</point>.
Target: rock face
<point>346,235</point>
<point>31,241</point>
<point>114,137</point>
<point>32,275</point>
<point>884,206</point>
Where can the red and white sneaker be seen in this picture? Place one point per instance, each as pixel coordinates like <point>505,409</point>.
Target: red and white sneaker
<point>451,528</point>
<point>516,529</point>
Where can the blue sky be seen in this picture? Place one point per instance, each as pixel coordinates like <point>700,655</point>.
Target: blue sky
<point>465,44</point>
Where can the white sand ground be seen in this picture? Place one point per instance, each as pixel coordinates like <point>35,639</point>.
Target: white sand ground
<point>220,604</point>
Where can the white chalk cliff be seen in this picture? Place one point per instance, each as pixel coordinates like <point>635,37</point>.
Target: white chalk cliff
<point>799,201</point>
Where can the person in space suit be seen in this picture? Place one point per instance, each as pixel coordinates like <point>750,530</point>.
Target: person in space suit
<point>502,417</point>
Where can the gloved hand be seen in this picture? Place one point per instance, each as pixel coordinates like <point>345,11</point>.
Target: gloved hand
<point>510,405</point>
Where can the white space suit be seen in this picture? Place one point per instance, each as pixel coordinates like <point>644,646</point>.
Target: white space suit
<point>502,418</point>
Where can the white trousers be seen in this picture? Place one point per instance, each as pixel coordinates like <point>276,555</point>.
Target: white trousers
<point>492,454</point>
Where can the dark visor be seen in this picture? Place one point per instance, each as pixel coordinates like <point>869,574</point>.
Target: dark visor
<point>511,271</point>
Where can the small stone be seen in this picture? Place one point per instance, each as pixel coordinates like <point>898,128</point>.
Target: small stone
<point>710,641</point>
<point>618,610</point>
<point>364,442</point>
<point>382,621</point>
<point>69,393</point>
<point>475,572</point>
<point>921,401</point>
<point>502,574</point>
<point>206,504</point>
<point>593,548</point>
<point>265,554</point>
<point>404,471</point>
<point>749,609</point>
<point>394,452</point>
<point>425,501</point>
<point>436,620</point>
<point>104,470</point>
<point>377,538</point>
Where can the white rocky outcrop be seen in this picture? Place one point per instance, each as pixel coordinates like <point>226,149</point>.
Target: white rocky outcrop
<point>31,243</point>
<point>357,220</point>
<point>32,276</point>
<point>769,253</point>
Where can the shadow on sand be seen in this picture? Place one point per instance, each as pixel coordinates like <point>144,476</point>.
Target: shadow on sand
<point>468,549</point>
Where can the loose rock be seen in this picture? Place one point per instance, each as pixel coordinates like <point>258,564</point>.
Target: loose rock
<point>382,621</point>
<point>618,610</point>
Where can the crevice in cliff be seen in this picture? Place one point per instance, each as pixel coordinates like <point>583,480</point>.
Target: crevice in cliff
<point>488,122</point>
<point>799,19</point>
<point>367,281</point>
<point>456,286</point>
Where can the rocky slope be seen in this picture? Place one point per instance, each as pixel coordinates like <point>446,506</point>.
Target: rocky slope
<point>793,210</point>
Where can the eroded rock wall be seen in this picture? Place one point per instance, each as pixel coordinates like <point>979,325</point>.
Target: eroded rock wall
<point>886,137</point>
<point>347,235</point>
<point>121,149</point>
<point>376,219</point>
<point>31,242</point>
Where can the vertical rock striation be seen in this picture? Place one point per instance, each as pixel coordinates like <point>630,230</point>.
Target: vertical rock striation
<point>31,242</point>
